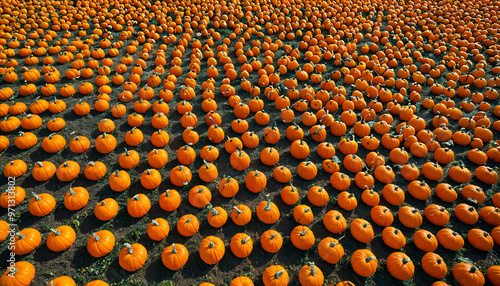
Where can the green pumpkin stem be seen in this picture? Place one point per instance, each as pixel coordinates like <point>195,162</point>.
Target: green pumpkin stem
<point>36,196</point>
<point>20,235</point>
<point>57,232</point>
<point>130,251</point>
<point>268,206</point>
<point>313,269</point>
<point>174,250</point>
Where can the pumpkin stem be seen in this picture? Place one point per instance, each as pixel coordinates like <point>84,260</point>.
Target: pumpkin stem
<point>473,269</point>
<point>268,206</point>
<point>237,210</point>
<point>405,260</point>
<point>206,164</point>
<point>313,269</point>
<point>155,222</point>
<point>126,152</point>
<point>278,274</point>
<point>96,237</point>
<point>174,250</point>
<point>20,235</point>
<point>302,233</point>
<point>211,245</point>
<point>71,191</point>
<point>117,173</point>
<point>214,211</point>
<point>36,196</point>
<point>39,163</point>
<point>130,251</point>
<point>243,241</point>
<point>57,232</point>
<point>370,258</point>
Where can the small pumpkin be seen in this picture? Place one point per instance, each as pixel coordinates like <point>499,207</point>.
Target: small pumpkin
<point>175,256</point>
<point>132,257</point>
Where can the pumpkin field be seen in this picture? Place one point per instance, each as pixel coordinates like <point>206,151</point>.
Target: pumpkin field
<point>239,143</point>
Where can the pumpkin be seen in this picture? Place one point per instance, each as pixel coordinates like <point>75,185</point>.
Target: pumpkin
<point>334,222</point>
<point>94,171</point>
<point>61,238</point>
<point>467,274</point>
<point>302,237</point>
<point>97,283</point>
<point>330,250</point>
<point>128,159</point>
<point>15,168</point>
<point>362,230</point>
<point>132,257</point>
<point>79,144</point>
<point>188,225</point>
<point>310,274</point>
<point>271,241</point>
<point>400,266</point>
<point>275,275</point>
<point>180,175</point>
<point>466,213</point>
<point>199,196</point>
<point>119,181</point>
<point>393,237</point>
<point>255,181</point>
<point>20,273</point>
<point>241,281</point>
<point>101,243</point>
<point>76,198</point>
<point>363,262</point>
<point>211,250</point>
<point>437,215</point>
<point>208,172</point>
<point>175,256</point>
<point>241,245</point>
<point>158,229</point>
<point>138,205</point>
<point>434,265</point>
<point>12,197</point>
<point>267,211</point>
<point>170,200</point>
<point>68,171</point>
<point>269,156</point>
<point>480,239</point>
<point>425,240</point>
<point>410,217</point>
<point>493,274</point>
<point>217,216</point>
<point>26,240</point>
<point>42,204</point>
<point>450,239</point>
<point>106,209</point>
<point>241,215</point>
<point>289,195</point>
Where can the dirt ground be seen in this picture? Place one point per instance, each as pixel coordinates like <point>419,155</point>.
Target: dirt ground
<point>77,263</point>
